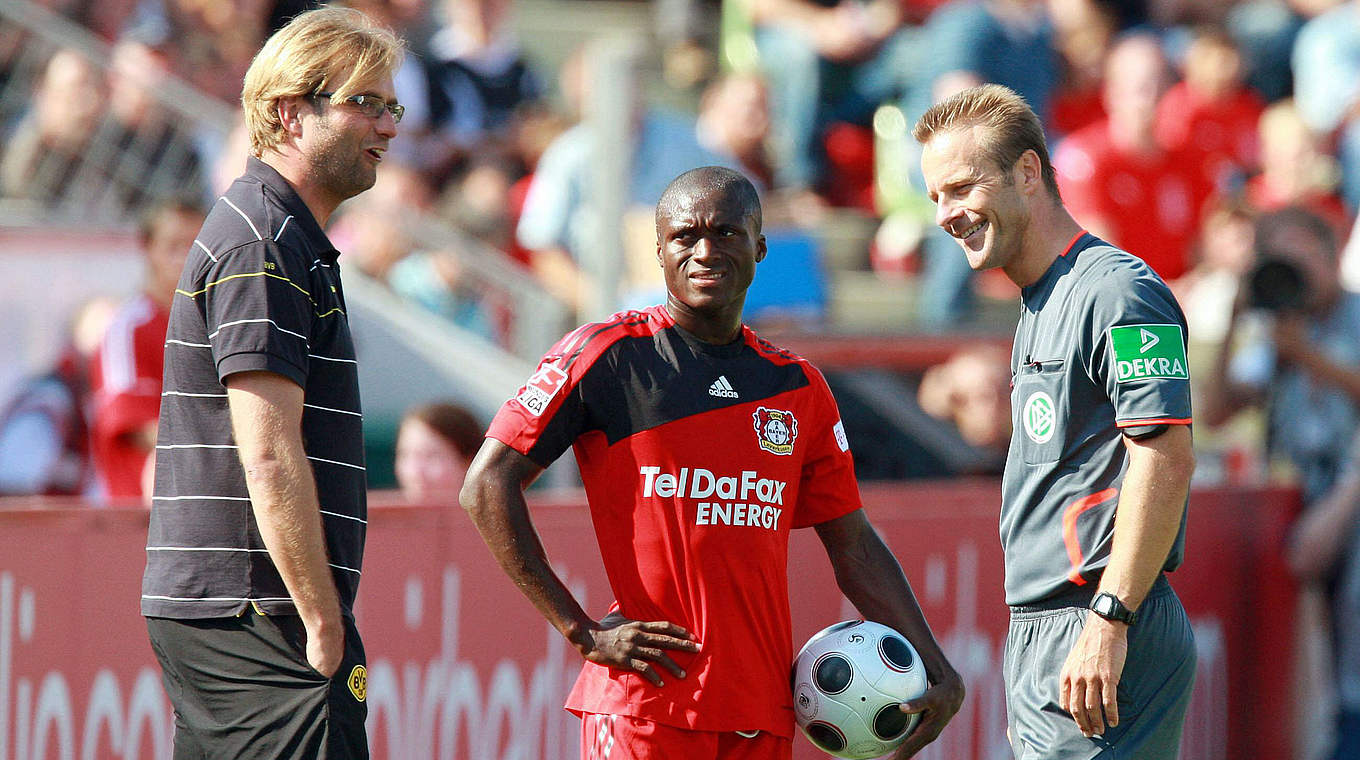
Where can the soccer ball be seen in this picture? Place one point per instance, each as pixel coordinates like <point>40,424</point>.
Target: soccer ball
<point>848,680</point>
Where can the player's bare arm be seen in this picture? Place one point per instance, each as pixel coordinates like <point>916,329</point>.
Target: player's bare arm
<point>871,578</point>
<point>1146,523</point>
<point>493,495</point>
<point>266,419</point>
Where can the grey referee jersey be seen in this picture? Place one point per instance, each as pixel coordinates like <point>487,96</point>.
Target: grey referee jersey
<point>1100,347</point>
<point>260,291</point>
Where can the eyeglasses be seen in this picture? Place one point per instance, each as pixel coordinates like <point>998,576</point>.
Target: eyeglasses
<point>371,106</point>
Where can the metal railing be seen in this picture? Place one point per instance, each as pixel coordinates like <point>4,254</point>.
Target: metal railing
<point>100,172</point>
<point>88,142</point>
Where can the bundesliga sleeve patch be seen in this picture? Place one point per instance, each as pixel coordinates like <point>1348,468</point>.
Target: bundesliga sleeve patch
<point>1146,352</point>
<point>541,388</point>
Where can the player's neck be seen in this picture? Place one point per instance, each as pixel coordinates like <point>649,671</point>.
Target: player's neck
<point>719,329</point>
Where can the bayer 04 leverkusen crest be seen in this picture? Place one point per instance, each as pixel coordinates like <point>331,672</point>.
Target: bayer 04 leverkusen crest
<point>776,430</point>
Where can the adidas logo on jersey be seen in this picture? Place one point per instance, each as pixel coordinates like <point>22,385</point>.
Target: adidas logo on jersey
<point>721,388</point>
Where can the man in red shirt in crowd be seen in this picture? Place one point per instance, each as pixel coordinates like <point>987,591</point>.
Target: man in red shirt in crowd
<point>1120,182</point>
<point>126,372</point>
<point>700,446</point>
<point>1213,110</point>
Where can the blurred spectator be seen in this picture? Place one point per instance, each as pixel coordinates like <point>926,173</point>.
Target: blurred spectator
<point>972,391</point>
<point>1295,170</point>
<point>1212,111</point>
<point>378,231</point>
<point>479,202</point>
<point>126,371</point>
<point>1323,554</point>
<point>1119,181</point>
<point>150,151</point>
<point>828,61</point>
<point>1224,254</point>
<point>476,81</point>
<point>211,43</point>
<point>1327,86</point>
<point>734,121</point>
<point>1232,453</point>
<point>1009,42</point>
<point>555,225</point>
<point>1083,30</point>
<point>102,161</point>
<point>1293,346</point>
<point>1264,31</point>
<point>43,157</point>
<point>438,280</point>
<point>44,435</point>
<point>435,444</point>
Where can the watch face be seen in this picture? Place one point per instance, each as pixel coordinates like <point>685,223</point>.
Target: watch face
<point>1109,607</point>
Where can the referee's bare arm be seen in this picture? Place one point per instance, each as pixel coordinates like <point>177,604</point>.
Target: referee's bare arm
<point>266,418</point>
<point>1146,523</point>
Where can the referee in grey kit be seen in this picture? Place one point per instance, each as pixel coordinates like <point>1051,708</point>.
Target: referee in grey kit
<point>255,547</point>
<point>1099,659</point>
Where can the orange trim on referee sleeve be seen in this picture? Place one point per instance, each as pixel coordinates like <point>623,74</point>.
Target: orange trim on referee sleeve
<point>1158,421</point>
<point>1073,242</point>
<point>1070,515</point>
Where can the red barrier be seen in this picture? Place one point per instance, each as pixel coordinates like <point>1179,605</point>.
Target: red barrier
<point>461,666</point>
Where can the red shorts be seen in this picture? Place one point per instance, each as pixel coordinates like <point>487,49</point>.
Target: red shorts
<point>619,737</point>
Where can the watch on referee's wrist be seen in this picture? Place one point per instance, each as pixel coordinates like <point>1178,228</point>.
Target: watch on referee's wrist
<point>1108,606</point>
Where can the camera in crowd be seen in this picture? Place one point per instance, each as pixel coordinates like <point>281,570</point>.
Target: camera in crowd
<point>1286,240</point>
<point>1276,284</point>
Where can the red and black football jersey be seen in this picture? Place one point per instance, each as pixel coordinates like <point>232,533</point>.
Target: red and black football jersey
<point>697,460</point>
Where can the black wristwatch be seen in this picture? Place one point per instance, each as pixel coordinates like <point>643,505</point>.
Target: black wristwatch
<point>1108,606</point>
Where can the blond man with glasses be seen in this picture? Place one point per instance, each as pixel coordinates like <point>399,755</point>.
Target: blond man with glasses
<point>255,547</point>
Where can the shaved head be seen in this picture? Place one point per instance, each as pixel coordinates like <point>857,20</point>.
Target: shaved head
<point>710,181</point>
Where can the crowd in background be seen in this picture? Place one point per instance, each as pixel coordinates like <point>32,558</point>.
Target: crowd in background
<point>1160,113</point>
<point>1174,125</point>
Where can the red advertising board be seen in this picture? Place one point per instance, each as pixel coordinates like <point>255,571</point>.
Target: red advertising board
<point>461,666</point>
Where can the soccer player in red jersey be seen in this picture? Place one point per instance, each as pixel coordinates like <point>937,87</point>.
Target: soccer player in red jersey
<point>701,446</point>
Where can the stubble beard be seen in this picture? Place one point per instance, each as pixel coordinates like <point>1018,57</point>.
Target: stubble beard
<point>339,167</point>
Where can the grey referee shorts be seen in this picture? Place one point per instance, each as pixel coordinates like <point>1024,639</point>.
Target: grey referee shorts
<point>1154,688</point>
<point>242,690</point>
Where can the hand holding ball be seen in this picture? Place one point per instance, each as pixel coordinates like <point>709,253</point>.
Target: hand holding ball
<point>848,681</point>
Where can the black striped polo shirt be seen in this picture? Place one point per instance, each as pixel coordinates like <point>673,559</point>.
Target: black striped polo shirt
<point>260,291</point>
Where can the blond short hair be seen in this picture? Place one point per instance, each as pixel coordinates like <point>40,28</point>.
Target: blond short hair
<point>337,50</point>
<point>1012,127</point>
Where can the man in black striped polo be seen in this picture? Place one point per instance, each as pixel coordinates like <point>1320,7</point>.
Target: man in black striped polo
<point>257,527</point>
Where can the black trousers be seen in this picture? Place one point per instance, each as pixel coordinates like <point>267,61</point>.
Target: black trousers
<point>242,689</point>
